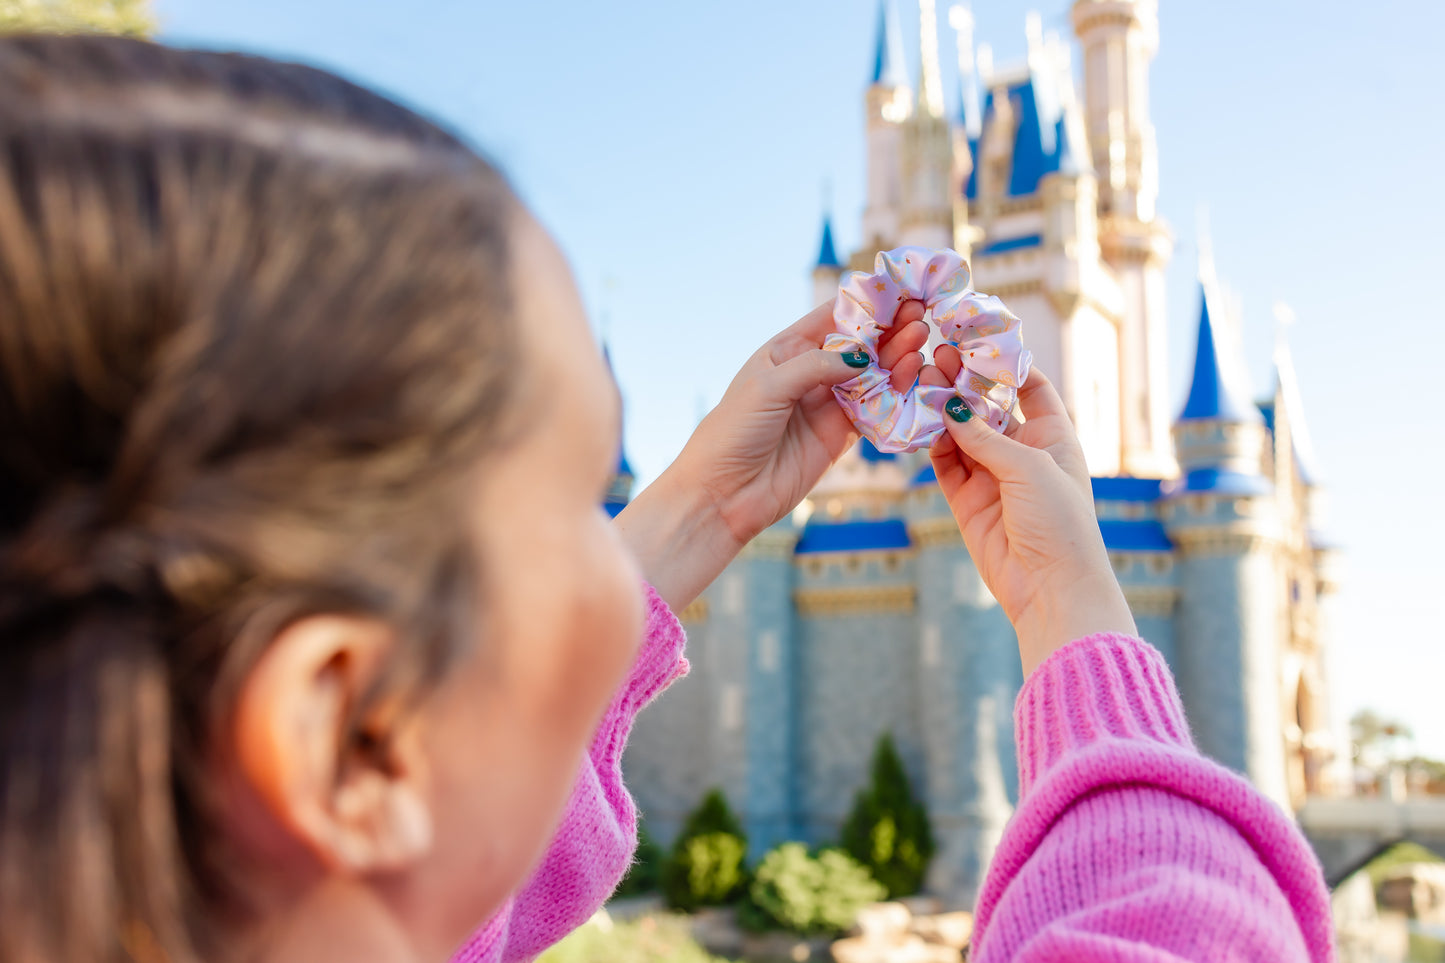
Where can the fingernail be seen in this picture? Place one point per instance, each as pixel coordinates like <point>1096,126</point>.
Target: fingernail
<point>856,359</point>
<point>957,409</point>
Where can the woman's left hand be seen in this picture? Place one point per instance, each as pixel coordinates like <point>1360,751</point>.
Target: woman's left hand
<point>754,457</point>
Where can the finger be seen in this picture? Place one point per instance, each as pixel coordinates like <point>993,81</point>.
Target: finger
<point>1006,459</point>
<point>898,342</point>
<point>930,375</point>
<point>948,466</point>
<point>949,361</point>
<point>905,371</point>
<point>1038,397</point>
<point>908,312</point>
<point>816,325</point>
<point>788,382</point>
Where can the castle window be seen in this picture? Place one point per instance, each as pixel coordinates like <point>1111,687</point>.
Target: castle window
<point>731,708</point>
<point>852,565</point>
<point>890,562</point>
<point>768,651</point>
<point>835,508</point>
<point>814,568</point>
<point>1160,564</point>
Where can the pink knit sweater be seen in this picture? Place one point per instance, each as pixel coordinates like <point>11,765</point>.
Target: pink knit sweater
<point>1127,846</point>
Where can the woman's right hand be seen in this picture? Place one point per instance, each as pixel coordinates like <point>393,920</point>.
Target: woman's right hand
<point>1026,510</point>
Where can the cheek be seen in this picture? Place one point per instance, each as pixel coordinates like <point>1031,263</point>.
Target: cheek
<point>506,741</point>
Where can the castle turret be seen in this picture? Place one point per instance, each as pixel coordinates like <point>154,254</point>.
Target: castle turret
<point>1119,39</point>
<point>1318,750</point>
<point>828,269</point>
<point>968,678</point>
<point>1230,615</point>
<point>619,490</point>
<point>927,218</point>
<point>887,107</point>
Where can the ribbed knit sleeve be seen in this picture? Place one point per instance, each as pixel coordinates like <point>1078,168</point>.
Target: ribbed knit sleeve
<point>1127,845</point>
<point>597,836</point>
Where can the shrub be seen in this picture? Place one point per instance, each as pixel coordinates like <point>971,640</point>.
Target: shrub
<point>646,869</point>
<point>707,864</point>
<point>888,830</point>
<point>807,895</point>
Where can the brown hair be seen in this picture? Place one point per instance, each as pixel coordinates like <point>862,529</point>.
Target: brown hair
<point>253,338</point>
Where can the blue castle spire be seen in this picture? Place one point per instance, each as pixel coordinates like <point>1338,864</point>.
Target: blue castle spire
<point>888,52</point>
<point>827,254</point>
<point>619,493</point>
<point>1210,393</point>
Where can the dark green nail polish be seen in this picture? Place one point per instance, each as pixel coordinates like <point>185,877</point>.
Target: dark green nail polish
<point>957,409</point>
<point>856,359</point>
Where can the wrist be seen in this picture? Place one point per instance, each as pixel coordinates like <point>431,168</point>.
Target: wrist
<point>678,537</point>
<point>1082,605</point>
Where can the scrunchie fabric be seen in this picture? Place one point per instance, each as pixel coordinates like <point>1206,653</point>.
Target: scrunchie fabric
<point>987,334</point>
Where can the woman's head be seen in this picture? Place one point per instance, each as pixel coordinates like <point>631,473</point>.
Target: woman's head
<point>301,436</point>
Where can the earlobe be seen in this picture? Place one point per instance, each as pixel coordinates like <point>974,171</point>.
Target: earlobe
<point>356,805</point>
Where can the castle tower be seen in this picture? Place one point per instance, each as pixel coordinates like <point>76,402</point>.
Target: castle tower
<point>1230,620</point>
<point>619,490</point>
<point>828,269</point>
<point>968,130</point>
<point>887,106</point>
<point>1032,195</point>
<point>968,678</point>
<point>729,724</point>
<point>1119,39</point>
<point>927,218</point>
<point>1318,756</point>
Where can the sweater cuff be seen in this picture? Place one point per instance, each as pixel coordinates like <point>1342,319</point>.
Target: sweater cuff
<point>659,663</point>
<point>1101,687</point>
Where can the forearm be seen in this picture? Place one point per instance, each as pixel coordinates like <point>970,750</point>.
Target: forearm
<point>678,536</point>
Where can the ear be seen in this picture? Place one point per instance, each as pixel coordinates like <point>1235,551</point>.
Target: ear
<point>346,788</point>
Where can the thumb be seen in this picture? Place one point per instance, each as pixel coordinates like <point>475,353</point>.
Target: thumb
<point>798,376</point>
<point>1006,459</point>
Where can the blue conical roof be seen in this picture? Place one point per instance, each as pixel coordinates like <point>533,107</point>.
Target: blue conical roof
<point>1210,394</point>
<point>888,53</point>
<point>827,254</point>
<point>624,467</point>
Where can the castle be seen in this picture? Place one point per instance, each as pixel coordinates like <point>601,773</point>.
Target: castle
<point>863,614</point>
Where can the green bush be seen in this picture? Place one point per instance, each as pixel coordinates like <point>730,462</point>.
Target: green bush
<point>707,864</point>
<point>807,895</point>
<point>651,939</point>
<point>646,869</point>
<point>888,830</point>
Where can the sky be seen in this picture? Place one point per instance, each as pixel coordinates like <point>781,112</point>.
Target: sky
<point>683,154</point>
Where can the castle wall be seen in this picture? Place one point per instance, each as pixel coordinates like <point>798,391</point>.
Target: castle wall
<point>855,682</point>
<point>669,759</point>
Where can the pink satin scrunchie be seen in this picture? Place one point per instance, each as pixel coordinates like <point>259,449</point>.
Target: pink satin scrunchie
<point>987,334</point>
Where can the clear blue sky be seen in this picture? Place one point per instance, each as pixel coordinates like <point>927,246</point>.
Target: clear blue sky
<point>677,148</point>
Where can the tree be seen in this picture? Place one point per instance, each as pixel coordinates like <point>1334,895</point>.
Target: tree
<point>131,18</point>
<point>1374,738</point>
<point>888,830</point>
<point>707,864</point>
